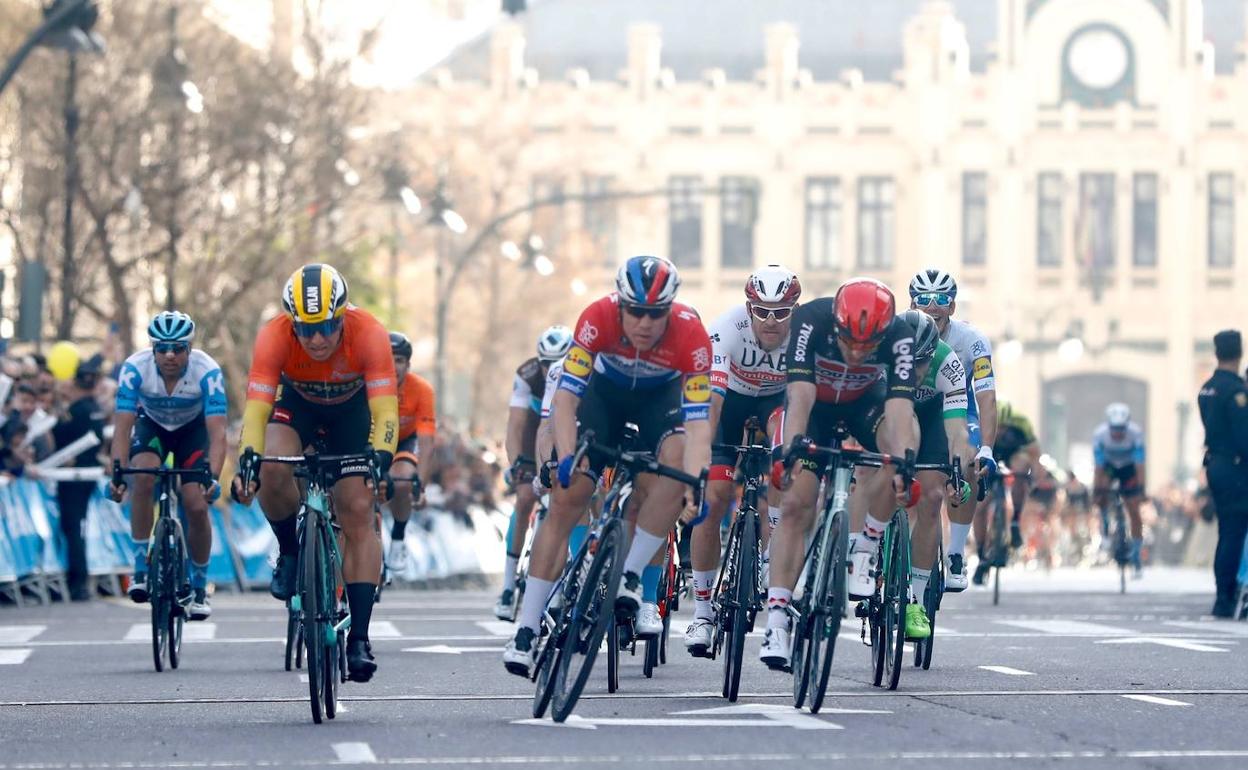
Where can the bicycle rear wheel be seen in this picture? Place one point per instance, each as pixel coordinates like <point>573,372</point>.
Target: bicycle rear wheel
<point>613,654</point>
<point>804,608</point>
<point>292,624</point>
<point>158,596</point>
<point>931,603</point>
<point>313,609</point>
<point>593,611</point>
<point>827,612</point>
<point>998,545</point>
<point>741,599</point>
<point>896,598</point>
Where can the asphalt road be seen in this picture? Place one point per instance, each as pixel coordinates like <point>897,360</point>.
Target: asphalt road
<point>1051,677</point>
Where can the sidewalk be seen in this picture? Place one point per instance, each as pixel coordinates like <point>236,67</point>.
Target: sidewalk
<point>1098,580</point>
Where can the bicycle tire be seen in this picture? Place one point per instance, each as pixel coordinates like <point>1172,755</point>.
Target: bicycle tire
<point>827,617</point>
<point>742,598</point>
<point>547,666</point>
<point>312,609</point>
<point>931,604</point>
<point>292,621</point>
<point>650,658</point>
<point>799,655</point>
<point>593,610</point>
<point>159,610</point>
<point>331,672</point>
<point>613,655</point>
<point>998,543</point>
<point>177,612</point>
<point>896,598</point>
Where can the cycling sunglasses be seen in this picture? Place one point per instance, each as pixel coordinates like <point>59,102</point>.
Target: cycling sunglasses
<point>938,299</point>
<point>177,348</point>
<point>323,328</point>
<point>778,313</point>
<point>637,311</point>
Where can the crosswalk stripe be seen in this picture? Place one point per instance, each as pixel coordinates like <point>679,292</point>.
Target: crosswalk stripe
<point>1156,700</point>
<point>382,629</point>
<point>1068,627</point>
<point>498,627</point>
<point>14,657</point>
<point>19,634</point>
<point>1007,670</point>
<point>191,632</point>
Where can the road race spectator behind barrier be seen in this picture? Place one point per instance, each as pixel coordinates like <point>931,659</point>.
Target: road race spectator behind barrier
<point>468,473</point>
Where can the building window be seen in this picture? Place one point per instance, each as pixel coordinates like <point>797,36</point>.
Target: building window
<point>974,218</point>
<point>876,221</point>
<point>738,197</point>
<point>1094,229</point>
<point>1144,220</point>
<point>823,223</point>
<point>1049,219</point>
<point>1221,219</point>
<point>685,220</point>
<point>598,217</point>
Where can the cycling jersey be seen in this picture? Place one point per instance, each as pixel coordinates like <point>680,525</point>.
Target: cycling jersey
<point>974,351</point>
<point>739,364</point>
<point>814,356</point>
<point>553,373</point>
<point>362,361</point>
<point>947,379</point>
<point>601,349</point>
<point>416,407</point>
<point>199,391</point>
<point>1118,451</point>
<point>529,386</point>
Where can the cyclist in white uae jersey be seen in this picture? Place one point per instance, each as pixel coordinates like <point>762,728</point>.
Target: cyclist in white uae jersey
<point>173,399</point>
<point>749,344</point>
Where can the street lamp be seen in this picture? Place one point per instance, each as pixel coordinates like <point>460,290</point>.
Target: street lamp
<point>530,255</point>
<point>442,212</point>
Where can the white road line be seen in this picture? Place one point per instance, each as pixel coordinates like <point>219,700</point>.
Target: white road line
<point>382,629</point>
<point>303,678</point>
<point>497,627</point>
<point>20,634</point>
<point>191,632</point>
<point>13,657</point>
<point>355,752</point>
<point>1156,700</point>
<point>1068,627</point>
<point>1178,644</point>
<point>1007,670</point>
<point>1211,627</point>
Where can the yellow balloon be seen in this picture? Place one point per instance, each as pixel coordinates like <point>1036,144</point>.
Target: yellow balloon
<point>63,358</point>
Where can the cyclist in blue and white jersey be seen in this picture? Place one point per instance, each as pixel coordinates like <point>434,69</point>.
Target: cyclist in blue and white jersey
<point>171,398</point>
<point>1118,451</point>
<point>936,293</point>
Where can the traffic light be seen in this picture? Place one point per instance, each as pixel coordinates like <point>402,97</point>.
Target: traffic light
<point>513,7</point>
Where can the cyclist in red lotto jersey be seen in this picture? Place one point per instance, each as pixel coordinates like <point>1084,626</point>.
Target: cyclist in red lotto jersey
<point>637,356</point>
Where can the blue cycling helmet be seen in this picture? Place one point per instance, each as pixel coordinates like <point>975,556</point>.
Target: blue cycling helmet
<point>647,282</point>
<point>171,326</point>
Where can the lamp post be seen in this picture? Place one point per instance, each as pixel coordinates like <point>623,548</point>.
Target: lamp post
<point>441,213</point>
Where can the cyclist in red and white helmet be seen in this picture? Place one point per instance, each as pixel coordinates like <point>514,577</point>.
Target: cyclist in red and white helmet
<point>747,380</point>
<point>851,360</point>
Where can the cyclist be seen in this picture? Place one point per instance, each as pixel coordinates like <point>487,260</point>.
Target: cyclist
<point>322,365</point>
<point>1017,449</point>
<point>851,360</point>
<point>747,380</point>
<point>1118,451</point>
<point>936,293</point>
<point>638,356</point>
<point>417,428</point>
<point>171,398</point>
<point>940,405</point>
<point>524,414</point>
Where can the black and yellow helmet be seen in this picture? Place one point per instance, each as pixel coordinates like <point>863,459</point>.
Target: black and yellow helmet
<point>314,294</point>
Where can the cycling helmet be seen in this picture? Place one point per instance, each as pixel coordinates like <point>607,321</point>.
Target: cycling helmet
<point>933,281</point>
<point>864,309</point>
<point>171,326</point>
<point>554,343</point>
<point>926,335</point>
<point>400,345</point>
<point>1117,415</point>
<point>773,284</point>
<point>647,282</point>
<point>315,293</point>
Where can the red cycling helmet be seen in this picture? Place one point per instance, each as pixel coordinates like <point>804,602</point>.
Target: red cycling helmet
<point>864,309</point>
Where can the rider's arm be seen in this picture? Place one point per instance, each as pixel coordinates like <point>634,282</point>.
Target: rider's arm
<point>959,444</point>
<point>519,422</point>
<point>724,343</point>
<point>268,357</point>
<point>901,429</point>
<point>212,385</point>
<point>983,385</point>
<point>801,391</point>
<point>129,381</point>
<point>382,388</point>
<point>578,366</point>
<point>216,443</point>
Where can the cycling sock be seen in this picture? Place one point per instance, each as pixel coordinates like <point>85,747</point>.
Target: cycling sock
<point>777,607</point>
<point>703,584</point>
<point>511,527</point>
<point>536,592</point>
<point>874,527</point>
<point>509,571</point>
<point>398,530</point>
<point>643,549</point>
<point>360,600</point>
<point>650,583</point>
<point>199,575</point>
<point>577,538</point>
<point>1137,544</point>
<point>140,554</point>
<point>957,538</point>
<point>773,517</point>
<point>287,536</point>
<point>864,544</point>
<point>918,583</point>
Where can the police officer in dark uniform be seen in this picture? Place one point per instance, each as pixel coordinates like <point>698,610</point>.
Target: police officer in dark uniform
<point>82,416</point>
<point>1223,404</point>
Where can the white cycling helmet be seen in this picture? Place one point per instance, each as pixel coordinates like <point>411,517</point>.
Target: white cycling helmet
<point>933,281</point>
<point>1118,415</point>
<point>773,284</point>
<point>554,343</point>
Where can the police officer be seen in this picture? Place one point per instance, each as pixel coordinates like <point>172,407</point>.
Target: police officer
<point>82,416</point>
<point>1224,410</point>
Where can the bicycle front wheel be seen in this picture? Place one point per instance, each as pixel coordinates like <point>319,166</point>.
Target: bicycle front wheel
<point>590,615</point>
<point>896,598</point>
<point>742,598</point>
<point>312,601</point>
<point>826,614</point>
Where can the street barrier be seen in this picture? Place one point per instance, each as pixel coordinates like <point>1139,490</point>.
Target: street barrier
<point>441,545</point>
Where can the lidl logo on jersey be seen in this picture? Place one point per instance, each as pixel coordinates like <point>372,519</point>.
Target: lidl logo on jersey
<point>983,368</point>
<point>578,362</point>
<point>698,389</point>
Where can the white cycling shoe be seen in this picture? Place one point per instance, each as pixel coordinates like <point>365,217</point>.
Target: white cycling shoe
<point>861,581</point>
<point>649,621</point>
<point>776,649</point>
<point>955,574</point>
<point>521,652</point>
<point>396,559</point>
<point>699,637</point>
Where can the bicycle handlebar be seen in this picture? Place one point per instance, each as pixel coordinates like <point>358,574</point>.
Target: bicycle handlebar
<point>199,475</point>
<point>640,462</point>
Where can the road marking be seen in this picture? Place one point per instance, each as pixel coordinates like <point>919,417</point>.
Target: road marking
<point>13,657</point>
<point>1211,627</point>
<point>786,715</point>
<point>772,716</point>
<point>497,627</point>
<point>448,650</point>
<point>1178,644</point>
<point>303,678</point>
<point>355,752</point>
<point>1007,670</point>
<point>20,634</point>
<point>132,637</point>
<point>1068,627</point>
<point>1157,700</point>
<point>382,629</point>
<point>191,632</point>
